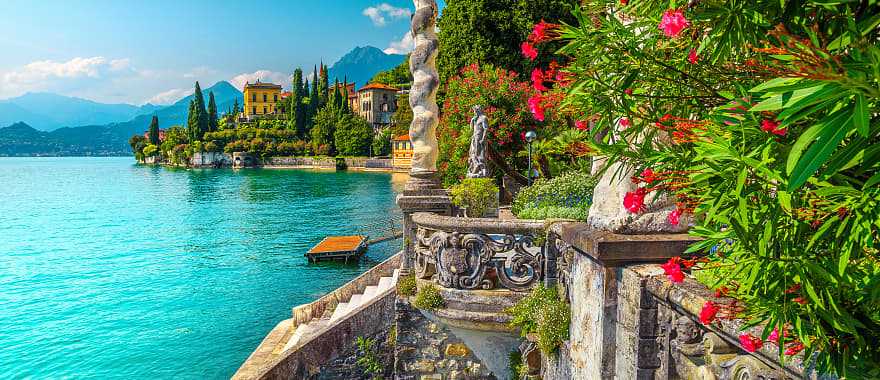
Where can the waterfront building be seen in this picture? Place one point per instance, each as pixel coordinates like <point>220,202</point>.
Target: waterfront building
<point>260,100</point>
<point>401,152</point>
<point>377,103</point>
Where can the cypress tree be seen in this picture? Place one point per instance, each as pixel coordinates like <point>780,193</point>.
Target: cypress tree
<point>154,131</point>
<point>324,86</point>
<point>201,114</point>
<point>296,113</point>
<point>337,96</point>
<point>213,123</point>
<point>192,121</point>
<point>236,108</point>
<point>314,97</point>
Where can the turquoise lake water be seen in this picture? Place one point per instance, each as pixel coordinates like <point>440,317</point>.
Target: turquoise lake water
<point>113,270</point>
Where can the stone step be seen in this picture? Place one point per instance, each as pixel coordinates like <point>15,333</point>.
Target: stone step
<point>355,301</point>
<point>370,292</point>
<point>340,310</point>
<point>384,283</point>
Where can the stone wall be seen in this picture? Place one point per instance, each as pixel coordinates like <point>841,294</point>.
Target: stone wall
<point>630,322</point>
<point>304,360</point>
<point>301,162</point>
<point>210,160</point>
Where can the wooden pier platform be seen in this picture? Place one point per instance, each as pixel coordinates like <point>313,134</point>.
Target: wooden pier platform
<point>338,248</point>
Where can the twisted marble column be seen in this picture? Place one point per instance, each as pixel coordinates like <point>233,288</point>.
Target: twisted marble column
<point>423,96</point>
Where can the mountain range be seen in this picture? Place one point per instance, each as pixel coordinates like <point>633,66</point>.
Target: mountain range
<point>46,124</point>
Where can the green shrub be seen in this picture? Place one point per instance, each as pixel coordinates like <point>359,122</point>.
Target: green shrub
<point>475,195</point>
<point>367,358</point>
<point>406,286</point>
<point>555,212</point>
<point>429,298</point>
<point>542,312</point>
<point>566,196</point>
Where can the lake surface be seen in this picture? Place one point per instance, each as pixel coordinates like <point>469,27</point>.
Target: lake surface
<point>113,270</point>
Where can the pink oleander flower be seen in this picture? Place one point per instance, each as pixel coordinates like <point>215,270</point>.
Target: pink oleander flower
<point>628,91</point>
<point>693,58</point>
<point>538,80</point>
<point>536,108</point>
<point>624,122</point>
<point>750,343</point>
<point>674,217</point>
<point>539,32</point>
<point>582,125</point>
<point>672,269</point>
<point>673,22</point>
<point>774,336</point>
<point>648,176</point>
<point>529,51</point>
<point>634,201</point>
<point>709,312</point>
<point>772,126</point>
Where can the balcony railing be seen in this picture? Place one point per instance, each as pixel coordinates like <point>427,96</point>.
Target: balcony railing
<point>475,253</point>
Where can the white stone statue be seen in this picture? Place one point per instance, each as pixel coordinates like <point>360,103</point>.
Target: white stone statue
<point>477,167</point>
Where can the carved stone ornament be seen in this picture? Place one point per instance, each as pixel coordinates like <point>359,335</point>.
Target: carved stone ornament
<point>475,261</point>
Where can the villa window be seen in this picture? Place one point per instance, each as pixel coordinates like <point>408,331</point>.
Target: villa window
<point>264,110</point>
<point>264,99</point>
<point>253,110</point>
<point>275,97</point>
<point>254,99</point>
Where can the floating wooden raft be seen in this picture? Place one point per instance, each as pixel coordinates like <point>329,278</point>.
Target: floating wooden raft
<point>338,248</point>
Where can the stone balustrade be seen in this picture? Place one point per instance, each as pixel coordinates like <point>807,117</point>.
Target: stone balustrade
<point>476,253</point>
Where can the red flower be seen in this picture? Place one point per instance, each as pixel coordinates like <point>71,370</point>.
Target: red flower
<point>674,217</point>
<point>538,80</point>
<point>774,336</point>
<point>536,108</point>
<point>522,135</point>
<point>772,126</point>
<point>710,310</point>
<point>582,125</point>
<point>673,22</point>
<point>624,122</point>
<point>693,58</point>
<point>799,300</point>
<point>634,201</point>
<point>750,343</point>
<point>672,268</point>
<point>624,2</point>
<point>794,288</point>
<point>628,91</point>
<point>529,51</point>
<point>794,348</point>
<point>648,175</point>
<point>539,32</point>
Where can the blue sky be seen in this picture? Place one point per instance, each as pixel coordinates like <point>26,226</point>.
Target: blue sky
<point>139,51</point>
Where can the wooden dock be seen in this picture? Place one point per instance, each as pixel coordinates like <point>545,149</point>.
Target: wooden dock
<point>338,248</point>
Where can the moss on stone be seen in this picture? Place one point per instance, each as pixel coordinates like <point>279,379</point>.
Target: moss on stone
<point>545,314</point>
<point>406,286</point>
<point>429,298</point>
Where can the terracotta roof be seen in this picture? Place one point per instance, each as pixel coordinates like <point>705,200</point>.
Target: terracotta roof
<point>402,138</point>
<point>262,85</point>
<point>285,94</point>
<point>377,86</point>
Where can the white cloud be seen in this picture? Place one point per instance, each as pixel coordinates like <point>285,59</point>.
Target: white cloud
<point>380,14</point>
<point>405,45</point>
<point>264,76</point>
<point>120,64</point>
<point>38,71</point>
<point>170,96</point>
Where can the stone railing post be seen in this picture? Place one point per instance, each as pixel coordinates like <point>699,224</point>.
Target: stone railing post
<point>422,192</point>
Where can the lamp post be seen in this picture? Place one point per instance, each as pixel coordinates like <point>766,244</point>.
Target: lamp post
<point>530,136</point>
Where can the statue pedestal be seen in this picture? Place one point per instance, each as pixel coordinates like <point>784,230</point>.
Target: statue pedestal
<point>422,193</point>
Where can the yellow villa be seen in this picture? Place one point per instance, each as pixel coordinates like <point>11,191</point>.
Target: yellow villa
<point>260,99</point>
<point>401,152</point>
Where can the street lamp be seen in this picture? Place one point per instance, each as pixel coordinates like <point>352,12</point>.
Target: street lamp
<point>530,136</point>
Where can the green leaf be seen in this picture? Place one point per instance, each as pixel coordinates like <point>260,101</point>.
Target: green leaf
<point>843,262</point>
<point>820,151</point>
<point>875,179</point>
<point>861,117</point>
<point>779,101</point>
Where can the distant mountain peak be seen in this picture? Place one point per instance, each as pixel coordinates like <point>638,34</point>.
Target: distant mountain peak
<point>362,63</point>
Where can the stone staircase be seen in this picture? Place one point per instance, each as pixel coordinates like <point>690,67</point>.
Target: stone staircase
<point>306,330</point>
<point>317,316</point>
